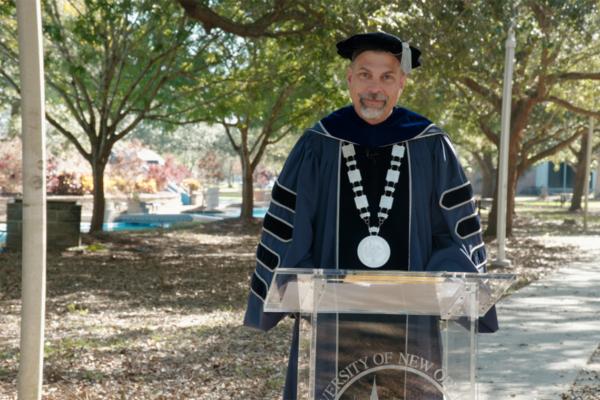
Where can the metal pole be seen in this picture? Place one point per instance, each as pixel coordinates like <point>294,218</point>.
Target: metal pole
<point>588,161</point>
<point>31,66</point>
<point>504,142</point>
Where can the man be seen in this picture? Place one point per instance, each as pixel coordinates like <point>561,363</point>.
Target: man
<point>370,186</point>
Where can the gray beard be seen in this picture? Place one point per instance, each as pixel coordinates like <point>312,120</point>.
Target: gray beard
<point>370,113</point>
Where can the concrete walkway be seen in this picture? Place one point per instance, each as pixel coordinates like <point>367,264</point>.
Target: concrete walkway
<point>548,331</point>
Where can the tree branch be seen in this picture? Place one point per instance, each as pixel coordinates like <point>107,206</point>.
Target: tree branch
<point>484,92</point>
<point>550,151</point>
<point>11,81</point>
<point>262,27</point>
<point>572,107</point>
<point>120,113</point>
<point>227,127</point>
<point>281,136</point>
<point>77,83</point>
<point>69,136</point>
<point>76,111</point>
<point>488,132</point>
<point>574,76</point>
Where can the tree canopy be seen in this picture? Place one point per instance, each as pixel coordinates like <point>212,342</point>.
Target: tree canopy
<point>556,63</point>
<point>267,69</point>
<point>110,65</point>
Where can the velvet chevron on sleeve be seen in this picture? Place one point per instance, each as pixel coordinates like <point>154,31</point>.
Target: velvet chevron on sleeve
<point>286,236</point>
<point>456,227</point>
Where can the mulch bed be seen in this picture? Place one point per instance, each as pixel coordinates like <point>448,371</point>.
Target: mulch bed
<point>157,315</point>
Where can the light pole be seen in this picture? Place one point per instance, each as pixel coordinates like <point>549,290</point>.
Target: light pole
<point>33,295</point>
<point>504,144</point>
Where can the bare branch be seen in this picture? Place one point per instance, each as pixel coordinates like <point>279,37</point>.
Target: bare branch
<point>78,84</point>
<point>9,52</point>
<point>121,113</point>
<point>572,107</point>
<point>543,137</point>
<point>263,26</point>
<point>526,162</point>
<point>228,127</point>
<point>11,81</point>
<point>282,135</point>
<point>485,92</point>
<point>574,76</point>
<point>488,132</point>
<point>77,112</point>
<point>69,136</point>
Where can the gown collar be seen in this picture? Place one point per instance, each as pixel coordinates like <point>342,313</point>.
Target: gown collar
<point>401,125</point>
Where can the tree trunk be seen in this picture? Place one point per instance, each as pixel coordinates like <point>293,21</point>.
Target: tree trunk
<point>247,191</point>
<point>99,199</point>
<point>580,179</point>
<point>488,175</point>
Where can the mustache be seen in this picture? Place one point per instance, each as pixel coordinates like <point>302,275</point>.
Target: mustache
<point>373,96</point>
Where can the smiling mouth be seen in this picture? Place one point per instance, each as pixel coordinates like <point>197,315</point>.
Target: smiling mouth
<point>372,103</point>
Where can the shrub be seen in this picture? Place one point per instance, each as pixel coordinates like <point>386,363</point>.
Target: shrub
<point>191,184</point>
<point>68,183</point>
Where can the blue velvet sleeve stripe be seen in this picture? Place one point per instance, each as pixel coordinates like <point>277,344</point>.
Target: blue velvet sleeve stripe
<point>468,226</point>
<point>456,196</point>
<point>267,257</point>
<point>286,233</point>
<point>277,227</point>
<point>258,286</point>
<point>284,197</point>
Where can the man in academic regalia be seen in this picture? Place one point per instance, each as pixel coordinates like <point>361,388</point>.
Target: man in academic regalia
<point>370,186</point>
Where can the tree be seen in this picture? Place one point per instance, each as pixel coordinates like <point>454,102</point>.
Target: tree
<point>580,179</point>
<point>8,96</point>
<point>111,65</point>
<point>464,43</point>
<point>278,78</point>
<point>272,88</point>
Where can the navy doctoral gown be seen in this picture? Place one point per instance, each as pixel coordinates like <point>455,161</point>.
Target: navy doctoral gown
<point>312,222</point>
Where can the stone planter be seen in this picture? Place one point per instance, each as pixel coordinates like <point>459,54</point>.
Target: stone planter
<point>196,198</point>
<point>63,225</point>
<point>262,195</point>
<point>212,198</point>
<point>134,206</point>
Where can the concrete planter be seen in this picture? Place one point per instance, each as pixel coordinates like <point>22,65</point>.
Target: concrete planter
<point>212,198</point>
<point>262,195</point>
<point>62,230</point>
<point>197,198</point>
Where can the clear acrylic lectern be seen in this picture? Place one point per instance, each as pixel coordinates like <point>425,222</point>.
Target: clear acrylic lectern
<point>386,335</point>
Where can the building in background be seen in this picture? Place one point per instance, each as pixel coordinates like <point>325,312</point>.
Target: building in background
<point>545,178</point>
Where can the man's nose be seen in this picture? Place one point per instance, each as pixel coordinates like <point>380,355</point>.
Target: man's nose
<point>374,87</point>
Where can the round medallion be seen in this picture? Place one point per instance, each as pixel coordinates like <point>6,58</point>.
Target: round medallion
<point>373,251</point>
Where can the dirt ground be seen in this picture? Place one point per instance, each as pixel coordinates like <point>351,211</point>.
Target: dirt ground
<point>157,315</point>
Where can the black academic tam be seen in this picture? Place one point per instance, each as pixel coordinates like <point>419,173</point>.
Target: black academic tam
<point>375,41</point>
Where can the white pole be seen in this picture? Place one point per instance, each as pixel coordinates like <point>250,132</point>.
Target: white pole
<point>31,68</point>
<point>588,161</point>
<point>504,142</point>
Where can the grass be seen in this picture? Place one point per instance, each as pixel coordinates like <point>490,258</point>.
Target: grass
<point>534,217</point>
